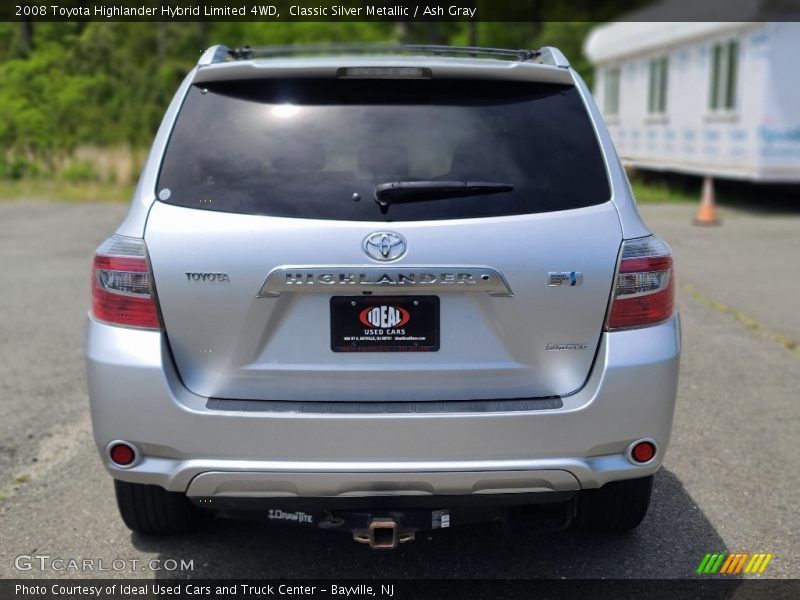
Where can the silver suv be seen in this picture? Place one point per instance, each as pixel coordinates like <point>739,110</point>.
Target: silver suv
<point>381,292</point>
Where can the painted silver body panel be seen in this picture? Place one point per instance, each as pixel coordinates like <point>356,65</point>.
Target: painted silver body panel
<point>151,388</point>
<point>622,195</point>
<point>145,193</point>
<point>136,395</point>
<point>230,343</point>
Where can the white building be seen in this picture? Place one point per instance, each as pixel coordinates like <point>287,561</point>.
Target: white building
<point>720,99</point>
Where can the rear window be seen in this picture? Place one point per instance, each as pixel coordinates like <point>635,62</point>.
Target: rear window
<point>319,148</point>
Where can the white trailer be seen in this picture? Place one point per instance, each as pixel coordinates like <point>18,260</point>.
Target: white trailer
<point>714,99</point>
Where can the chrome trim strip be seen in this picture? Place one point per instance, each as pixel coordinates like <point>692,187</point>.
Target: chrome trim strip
<point>385,408</point>
<point>357,278</point>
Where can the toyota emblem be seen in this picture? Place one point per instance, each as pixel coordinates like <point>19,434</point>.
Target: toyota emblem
<point>384,246</point>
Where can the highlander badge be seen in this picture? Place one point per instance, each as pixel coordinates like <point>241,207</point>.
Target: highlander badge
<point>366,279</point>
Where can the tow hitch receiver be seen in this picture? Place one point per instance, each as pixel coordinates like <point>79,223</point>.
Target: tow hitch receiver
<point>387,528</point>
<point>380,529</point>
<point>383,534</point>
<point>387,531</point>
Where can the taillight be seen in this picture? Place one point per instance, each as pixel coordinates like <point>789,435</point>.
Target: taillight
<point>122,290</point>
<point>644,291</point>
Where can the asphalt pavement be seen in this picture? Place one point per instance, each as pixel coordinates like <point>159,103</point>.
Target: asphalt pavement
<point>729,482</point>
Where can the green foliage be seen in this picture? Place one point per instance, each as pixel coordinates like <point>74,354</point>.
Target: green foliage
<point>79,170</point>
<point>16,167</point>
<point>108,83</point>
<point>656,188</point>
<point>568,36</point>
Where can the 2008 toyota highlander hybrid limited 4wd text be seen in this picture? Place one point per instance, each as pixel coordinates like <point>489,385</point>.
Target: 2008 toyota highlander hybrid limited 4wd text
<point>382,292</point>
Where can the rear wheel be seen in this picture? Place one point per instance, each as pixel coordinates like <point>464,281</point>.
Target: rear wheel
<point>617,506</point>
<point>151,509</point>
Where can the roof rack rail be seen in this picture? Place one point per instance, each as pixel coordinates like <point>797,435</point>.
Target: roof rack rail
<point>217,54</point>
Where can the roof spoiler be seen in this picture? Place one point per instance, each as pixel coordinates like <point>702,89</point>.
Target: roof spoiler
<point>546,55</point>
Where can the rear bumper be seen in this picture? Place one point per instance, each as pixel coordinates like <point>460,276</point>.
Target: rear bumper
<point>137,396</point>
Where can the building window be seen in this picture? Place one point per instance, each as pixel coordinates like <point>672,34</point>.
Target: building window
<point>724,59</point>
<point>657,89</point>
<point>611,92</point>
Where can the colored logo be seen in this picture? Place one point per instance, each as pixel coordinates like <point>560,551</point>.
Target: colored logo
<point>564,278</point>
<point>737,562</point>
<point>384,316</point>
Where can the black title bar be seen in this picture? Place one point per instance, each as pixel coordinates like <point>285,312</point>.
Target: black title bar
<point>325,589</point>
<point>399,10</point>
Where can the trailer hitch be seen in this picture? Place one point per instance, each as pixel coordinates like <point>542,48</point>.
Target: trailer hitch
<point>383,533</point>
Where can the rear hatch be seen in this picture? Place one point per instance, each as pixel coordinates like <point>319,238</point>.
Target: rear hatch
<point>280,277</point>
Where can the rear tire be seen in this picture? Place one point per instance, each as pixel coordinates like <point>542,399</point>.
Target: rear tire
<point>617,506</point>
<point>150,509</point>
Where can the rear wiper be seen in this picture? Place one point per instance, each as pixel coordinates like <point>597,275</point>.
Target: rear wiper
<point>397,192</point>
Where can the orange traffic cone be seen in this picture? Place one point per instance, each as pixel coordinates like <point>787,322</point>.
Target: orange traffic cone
<point>707,211</point>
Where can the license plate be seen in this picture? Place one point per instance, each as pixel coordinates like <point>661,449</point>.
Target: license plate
<point>385,323</point>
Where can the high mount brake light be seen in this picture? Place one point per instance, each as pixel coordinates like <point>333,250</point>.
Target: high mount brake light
<point>122,290</point>
<point>644,291</point>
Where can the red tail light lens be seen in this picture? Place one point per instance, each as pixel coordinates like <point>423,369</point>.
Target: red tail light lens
<point>643,452</point>
<point>645,286</point>
<point>122,291</point>
<point>122,454</point>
